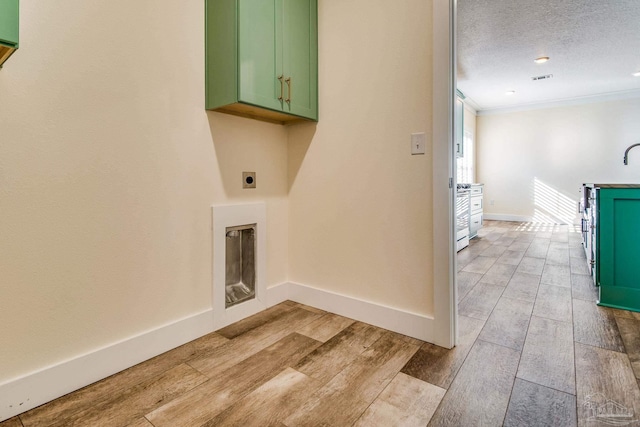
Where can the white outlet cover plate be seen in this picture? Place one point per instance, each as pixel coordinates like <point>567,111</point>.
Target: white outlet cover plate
<point>418,143</point>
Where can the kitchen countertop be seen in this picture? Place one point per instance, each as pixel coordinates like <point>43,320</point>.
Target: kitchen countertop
<point>614,185</point>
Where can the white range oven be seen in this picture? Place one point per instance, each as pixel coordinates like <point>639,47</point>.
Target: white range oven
<point>463,195</point>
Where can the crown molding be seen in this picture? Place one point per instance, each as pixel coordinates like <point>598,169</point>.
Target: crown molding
<point>567,102</point>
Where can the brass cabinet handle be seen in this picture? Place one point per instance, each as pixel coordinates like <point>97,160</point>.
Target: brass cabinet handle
<point>281,87</point>
<point>288,80</point>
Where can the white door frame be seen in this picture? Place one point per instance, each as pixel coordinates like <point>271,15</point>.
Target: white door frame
<point>444,180</point>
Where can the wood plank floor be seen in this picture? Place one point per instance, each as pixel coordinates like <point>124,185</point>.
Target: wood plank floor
<point>534,350</point>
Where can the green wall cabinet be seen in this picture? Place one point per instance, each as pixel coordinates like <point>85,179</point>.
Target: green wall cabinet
<point>618,247</point>
<point>9,28</point>
<point>262,58</point>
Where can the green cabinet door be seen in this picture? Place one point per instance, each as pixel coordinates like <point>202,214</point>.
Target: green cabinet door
<point>300,57</point>
<point>260,53</point>
<point>262,58</point>
<point>9,25</point>
<point>619,248</point>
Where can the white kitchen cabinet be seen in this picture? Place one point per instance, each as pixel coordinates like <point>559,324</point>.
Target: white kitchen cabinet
<point>476,209</point>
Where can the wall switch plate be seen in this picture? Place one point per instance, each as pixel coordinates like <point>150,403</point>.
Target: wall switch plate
<point>418,143</point>
<point>248,180</point>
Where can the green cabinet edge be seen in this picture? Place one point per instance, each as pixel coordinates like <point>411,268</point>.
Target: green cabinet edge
<point>221,59</point>
<point>613,294</point>
<point>9,23</point>
<point>9,28</point>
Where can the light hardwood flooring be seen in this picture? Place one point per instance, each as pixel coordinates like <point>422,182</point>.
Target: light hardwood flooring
<point>534,350</point>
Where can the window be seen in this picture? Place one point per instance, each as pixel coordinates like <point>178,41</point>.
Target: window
<point>465,165</point>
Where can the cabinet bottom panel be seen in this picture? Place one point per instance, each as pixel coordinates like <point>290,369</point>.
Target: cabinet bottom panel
<point>266,115</point>
<point>5,53</point>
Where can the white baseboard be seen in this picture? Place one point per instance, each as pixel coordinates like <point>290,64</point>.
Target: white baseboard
<point>506,217</point>
<point>277,294</point>
<point>393,319</point>
<point>521,218</point>
<point>32,390</point>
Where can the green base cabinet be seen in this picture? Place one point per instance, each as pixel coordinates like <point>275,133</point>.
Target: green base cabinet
<point>618,247</point>
<point>9,28</point>
<point>262,58</point>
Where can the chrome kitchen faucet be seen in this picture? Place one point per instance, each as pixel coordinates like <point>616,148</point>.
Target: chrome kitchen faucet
<point>626,153</point>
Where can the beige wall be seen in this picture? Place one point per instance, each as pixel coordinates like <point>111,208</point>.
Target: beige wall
<point>533,162</point>
<point>469,119</point>
<point>109,165</point>
<point>360,204</point>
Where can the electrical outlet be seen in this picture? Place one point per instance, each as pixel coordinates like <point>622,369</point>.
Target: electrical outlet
<point>491,202</point>
<point>248,180</point>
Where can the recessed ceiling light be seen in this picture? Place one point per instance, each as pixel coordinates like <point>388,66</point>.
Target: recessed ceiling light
<point>541,60</point>
<point>510,92</point>
<point>636,74</point>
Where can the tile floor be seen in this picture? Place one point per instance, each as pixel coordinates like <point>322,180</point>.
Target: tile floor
<point>534,350</point>
<point>526,288</point>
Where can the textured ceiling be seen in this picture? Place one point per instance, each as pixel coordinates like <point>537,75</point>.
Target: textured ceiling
<point>594,46</point>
